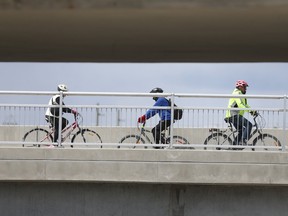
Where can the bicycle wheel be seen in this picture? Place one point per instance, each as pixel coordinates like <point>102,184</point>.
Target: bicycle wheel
<point>217,139</point>
<point>267,140</point>
<point>87,136</point>
<point>133,139</point>
<point>34,137</point>
<point>178,140</point>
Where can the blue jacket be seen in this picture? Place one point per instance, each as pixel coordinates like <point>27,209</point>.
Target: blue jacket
<point>164,114</point>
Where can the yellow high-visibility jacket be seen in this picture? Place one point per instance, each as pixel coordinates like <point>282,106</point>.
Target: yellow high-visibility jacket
<point>237,103</point>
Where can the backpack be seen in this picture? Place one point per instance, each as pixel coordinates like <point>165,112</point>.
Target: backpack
<point>178,113</point>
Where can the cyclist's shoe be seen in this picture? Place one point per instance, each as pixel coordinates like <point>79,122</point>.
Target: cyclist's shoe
<point>51,146</point>
<point>237,149</point>
<point>157,147</point>
<point>242,143</point>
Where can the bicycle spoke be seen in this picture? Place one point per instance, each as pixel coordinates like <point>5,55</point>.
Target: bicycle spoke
<point>180,143</point>
<point>267,140</point>
<point>217,139</point>
<point>35,137</point>
<point>130,140</point>
<point>86,138</point>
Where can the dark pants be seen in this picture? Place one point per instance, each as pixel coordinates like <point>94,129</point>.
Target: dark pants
<point>161,126</point>
<point>243,126</point>
<point>55,124</point>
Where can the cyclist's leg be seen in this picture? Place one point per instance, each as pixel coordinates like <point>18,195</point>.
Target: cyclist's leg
<point>65,122</point>
<point>247,129</point>
<point>156,131</point>
<point>238,125</point>
<point>54,123</point>
<point>243,127</point>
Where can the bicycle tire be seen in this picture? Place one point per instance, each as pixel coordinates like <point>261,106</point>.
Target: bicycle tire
<point>267,140</point>
<point>217,139</point>
<point>36,136</point>
<point>86,136</point>
<point>179,141</point>
<point>131,139</point>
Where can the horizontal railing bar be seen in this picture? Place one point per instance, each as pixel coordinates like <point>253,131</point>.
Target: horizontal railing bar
<point>138,94</point>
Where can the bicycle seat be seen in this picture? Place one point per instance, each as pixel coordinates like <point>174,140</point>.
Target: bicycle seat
<point>214,129</point>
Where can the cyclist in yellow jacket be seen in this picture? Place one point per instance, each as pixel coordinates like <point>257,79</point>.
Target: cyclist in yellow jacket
<point>236,117</point>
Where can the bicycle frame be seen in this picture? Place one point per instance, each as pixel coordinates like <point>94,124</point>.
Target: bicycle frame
<point>41,136</point>
<point>69,129</point>
<point>254,131</point>
<point>231,131</point>
<point>142,133</point>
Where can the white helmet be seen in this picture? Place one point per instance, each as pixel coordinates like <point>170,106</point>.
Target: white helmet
<point>62,87</point>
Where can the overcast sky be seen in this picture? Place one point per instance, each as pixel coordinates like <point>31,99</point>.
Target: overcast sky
<point>214,78</point>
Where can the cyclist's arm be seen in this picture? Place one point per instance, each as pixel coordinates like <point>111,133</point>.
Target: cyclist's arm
<point>160,102</point>
<point>150,113</point>
<point>64,109</point>
<point>241,103</point>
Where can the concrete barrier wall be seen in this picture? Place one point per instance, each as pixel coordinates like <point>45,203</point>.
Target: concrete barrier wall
<point>63,181</point>
<point>161,166</point>
<point>90,199</point>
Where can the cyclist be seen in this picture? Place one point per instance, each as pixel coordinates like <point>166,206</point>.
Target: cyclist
<point>164,114</point>
<point>52,113</point>
<point>236,117</point>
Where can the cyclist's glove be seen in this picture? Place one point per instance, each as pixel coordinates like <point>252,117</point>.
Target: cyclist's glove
<point>142,119</point>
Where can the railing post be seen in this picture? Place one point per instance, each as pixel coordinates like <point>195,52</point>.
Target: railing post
<point>60,120</point>
<point>284,123</point>
<point>172,121</point>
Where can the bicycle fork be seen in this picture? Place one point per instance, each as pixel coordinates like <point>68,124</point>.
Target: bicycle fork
<point>142,133</point>
<point>83,137</point>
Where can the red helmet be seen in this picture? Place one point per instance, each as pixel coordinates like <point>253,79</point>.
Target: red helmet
<point>241,83</point>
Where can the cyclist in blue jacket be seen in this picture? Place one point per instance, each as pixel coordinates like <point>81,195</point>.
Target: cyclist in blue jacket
<point>164,114</point>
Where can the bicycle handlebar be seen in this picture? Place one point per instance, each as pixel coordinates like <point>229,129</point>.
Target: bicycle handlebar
<point>256,116</point>
<point>261,122</point>
<point>138,124</point>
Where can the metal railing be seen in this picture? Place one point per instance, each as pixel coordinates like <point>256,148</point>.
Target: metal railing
<point>116,120</point>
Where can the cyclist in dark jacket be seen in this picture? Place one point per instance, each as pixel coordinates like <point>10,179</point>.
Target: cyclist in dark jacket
<point>52,113</point>
<point>164,114</point>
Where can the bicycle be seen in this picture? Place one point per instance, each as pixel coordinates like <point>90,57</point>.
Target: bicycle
<point>220,137</point>
<point>38,137</point>
<point>142,137</point>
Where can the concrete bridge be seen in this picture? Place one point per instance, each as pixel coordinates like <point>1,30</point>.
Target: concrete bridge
<point>143,31</point>
<point>143,182</point>
<point>39,181</point>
